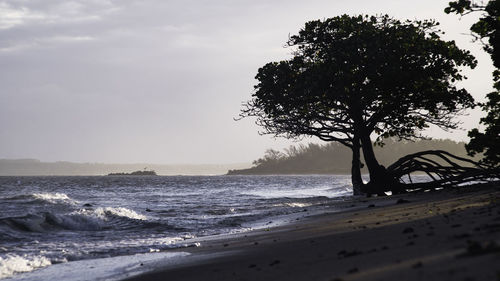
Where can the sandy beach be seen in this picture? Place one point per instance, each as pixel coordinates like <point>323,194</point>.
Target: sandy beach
<point>438,235</point>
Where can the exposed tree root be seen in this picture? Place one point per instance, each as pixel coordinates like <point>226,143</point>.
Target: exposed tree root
<point>443,169</point>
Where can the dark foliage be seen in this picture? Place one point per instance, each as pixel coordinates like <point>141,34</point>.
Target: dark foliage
<point>488,141</point>
<point>487,30</point>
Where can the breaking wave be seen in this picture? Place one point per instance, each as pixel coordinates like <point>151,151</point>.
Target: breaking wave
<point>107,212</point>
<point>51,196</point>
<point>45,197</point>
<point>81,220</point>
<point>12,264</point>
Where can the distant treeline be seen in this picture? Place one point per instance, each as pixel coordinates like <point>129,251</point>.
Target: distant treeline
<point>334,158</point>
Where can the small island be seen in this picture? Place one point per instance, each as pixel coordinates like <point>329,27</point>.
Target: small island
<point>136,173</point>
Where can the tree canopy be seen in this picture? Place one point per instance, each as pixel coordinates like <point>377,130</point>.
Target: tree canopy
<point>486,29</point>
<point>351,76</point>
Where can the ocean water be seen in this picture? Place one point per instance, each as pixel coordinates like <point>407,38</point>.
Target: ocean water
<point>51,226</point>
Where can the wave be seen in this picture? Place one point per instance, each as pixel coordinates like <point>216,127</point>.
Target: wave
<point>107,212</point>
<point>220,211</point>
<point>12,264</point>
<point>53,198</point>
<point>296,194</point>
<point>297,204</point>
<point>81,220</point>
<point>238,221</point>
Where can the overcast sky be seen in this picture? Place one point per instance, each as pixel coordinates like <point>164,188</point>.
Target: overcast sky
<point>160,81</point>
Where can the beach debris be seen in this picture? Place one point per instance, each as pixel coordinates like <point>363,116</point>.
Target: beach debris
<point>346,254</point>
<point>417,265</point>
<point>475,248</point>
<point>353,270</point>
<point>462,236</point>
<point>402,201</point>
<point>408,230</point>
<point>491,227</point>
<point>275,262</point>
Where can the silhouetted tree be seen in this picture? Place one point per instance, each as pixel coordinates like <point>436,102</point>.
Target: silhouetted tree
<point>351,76</point>
<point>487,27</point>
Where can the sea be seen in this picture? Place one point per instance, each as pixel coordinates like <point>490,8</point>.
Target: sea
<point>103,227</point>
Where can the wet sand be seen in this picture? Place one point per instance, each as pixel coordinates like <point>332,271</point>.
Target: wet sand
<point>439,235</point>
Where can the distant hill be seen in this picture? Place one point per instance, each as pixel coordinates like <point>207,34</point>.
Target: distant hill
<point>334,158</point>
<point>33,167</point>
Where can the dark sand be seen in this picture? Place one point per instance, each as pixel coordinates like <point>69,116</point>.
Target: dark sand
<point>439,235</point>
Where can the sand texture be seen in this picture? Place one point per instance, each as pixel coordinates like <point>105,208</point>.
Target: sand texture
<point>439,235</point>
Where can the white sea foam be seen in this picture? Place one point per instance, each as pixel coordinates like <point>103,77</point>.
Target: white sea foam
<point>298,205</point>
<point>114,268</point>
<point>104,213</point>
<point>12,264</point>
<point>52,197</point>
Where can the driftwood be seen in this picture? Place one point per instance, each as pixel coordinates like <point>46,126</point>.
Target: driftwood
<point>444,170</point>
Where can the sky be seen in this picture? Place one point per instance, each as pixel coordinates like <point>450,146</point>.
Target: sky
<point>161,81</point>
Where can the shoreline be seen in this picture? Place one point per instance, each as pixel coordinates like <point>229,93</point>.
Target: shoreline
<point>440,235</point>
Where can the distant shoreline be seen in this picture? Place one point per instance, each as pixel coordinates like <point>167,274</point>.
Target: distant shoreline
<point>135,173</point>
<point>34,167</point>
<point>253,172</point>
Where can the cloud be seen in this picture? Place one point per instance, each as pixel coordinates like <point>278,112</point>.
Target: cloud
<point>173,70</point>
<point>27,25</point>
<point>45,42</point>
<point>11,16</point>
<point>19,12</point>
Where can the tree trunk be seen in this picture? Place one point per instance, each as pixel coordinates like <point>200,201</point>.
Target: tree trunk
<point>371,161</point>
<point>357,181</point>
<point>377,172</point>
